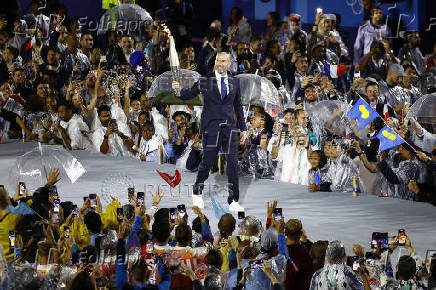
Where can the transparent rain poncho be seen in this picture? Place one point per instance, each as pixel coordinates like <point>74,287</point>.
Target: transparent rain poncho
<point>424,110</point>
<point>335,274</point>
<point>257,162</point>
<point>33,167</point>
<point>257,88</point>
<point>163,83</point>
<point>329,116</point>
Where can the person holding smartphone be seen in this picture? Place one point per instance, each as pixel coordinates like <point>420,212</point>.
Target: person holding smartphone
<point>109,136</point>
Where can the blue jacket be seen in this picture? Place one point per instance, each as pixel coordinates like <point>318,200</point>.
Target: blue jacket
<point>215,110</point>
<point>122,279</point>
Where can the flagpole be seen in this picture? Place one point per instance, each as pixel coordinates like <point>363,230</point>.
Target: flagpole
<point>386,124</point>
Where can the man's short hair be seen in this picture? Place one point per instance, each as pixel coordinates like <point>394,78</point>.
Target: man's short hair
<point>139,271</point>
<point>406,267</point>
<point>103,108</point>
<point>214,258</point>
<point>86,33</point>
<point>288,110</point>
<point>93,222</point>
<point>183,234</point>
<point>227,224</point>
<point>373,10</point>
<point>143,112</point>
<point>293,230</point>
<point>180,113</point>
<point>67,104</point>
<point>371,84</point>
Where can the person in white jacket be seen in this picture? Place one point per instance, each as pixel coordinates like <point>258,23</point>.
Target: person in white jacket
<point>292,159</point>
<point>149,144</point>
<point>72,128</point>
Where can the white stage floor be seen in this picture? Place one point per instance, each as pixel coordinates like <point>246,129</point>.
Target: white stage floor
<point>325,216</point>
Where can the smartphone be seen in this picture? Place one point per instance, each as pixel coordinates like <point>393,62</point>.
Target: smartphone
<point>319,10</point>
<point>374,239</point>
<point>113,123</point>
<point>131,192</point>
<point>140,197</point>
<point>11,239</point>
<point>22,188</point>
<point>277,213</point>
<point>401,237</point>
<point>120,214</point>
<point>173,214</point>
<point>2,186</point>
<point>285,128</point>
<point>256,264</point>
<point>67,232</point>
<point>181,210</point>
<point>384,241</point>
<point>56,204</point>
<point>353,262</point>
<point>93,200</point>
<point>75,210</point>
<point>241,215</point>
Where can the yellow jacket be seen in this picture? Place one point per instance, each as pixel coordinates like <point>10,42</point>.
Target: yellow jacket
<point>8,221</point>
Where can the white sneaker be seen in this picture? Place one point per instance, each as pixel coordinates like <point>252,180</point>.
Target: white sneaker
<point>234,206</point>
<point>197,200</point>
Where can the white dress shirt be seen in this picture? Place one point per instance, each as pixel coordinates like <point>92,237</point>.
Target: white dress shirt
<point>226,81</point>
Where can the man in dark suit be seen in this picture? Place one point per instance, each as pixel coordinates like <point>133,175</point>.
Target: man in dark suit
<point>221,102</point>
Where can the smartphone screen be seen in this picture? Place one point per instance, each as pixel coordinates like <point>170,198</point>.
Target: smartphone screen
<point>401,237</point>
<point>131,192</point>
<point>356,266</point>
<point>277,213</point>
<point>173,214</point>
<point>120,214</point>
<point>374,239</point>
<point>93,200</point>
<point>384,241</point>
<point>22,188</point>
<point>149,247</point>
<point>241,215</point>
<point>181,209</point>
<point>56,204</point>
<point>75,210</point>
<point>11,239</point>
<point>140,197</point>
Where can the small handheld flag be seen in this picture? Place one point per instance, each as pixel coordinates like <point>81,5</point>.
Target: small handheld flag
<point>363,113</point>
<point>388,138</point>
<point>334,71</point>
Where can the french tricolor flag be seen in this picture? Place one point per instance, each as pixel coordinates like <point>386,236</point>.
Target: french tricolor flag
<point>334,71</point>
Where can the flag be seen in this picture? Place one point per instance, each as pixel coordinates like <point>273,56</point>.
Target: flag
<point>22,208</point>
<point>385,110</point>
<point>363,113</point>
<point>334,71</point>
<point>174,180</point>
<point>388,138</point>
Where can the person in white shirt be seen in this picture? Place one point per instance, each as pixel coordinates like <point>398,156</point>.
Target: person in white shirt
<point>149,145</point>
<point>292,159</point>
<point>109,137</point>
<point>72,128</point>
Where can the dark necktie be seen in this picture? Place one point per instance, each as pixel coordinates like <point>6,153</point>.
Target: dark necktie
<point>223,88</point>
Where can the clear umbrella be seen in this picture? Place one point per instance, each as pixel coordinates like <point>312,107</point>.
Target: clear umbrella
<point>329,116</point>
<point>129,16</point>
<point>424,110</point>
<point>257,89</point>
<point>162,92</point>
<point>33,167</point>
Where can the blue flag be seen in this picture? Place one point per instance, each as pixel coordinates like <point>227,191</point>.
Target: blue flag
<point>388,138</point>
<point>363,113</point>
<point>22,208</point>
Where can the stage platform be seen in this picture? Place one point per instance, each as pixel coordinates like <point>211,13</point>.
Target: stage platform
<point>325,216</point>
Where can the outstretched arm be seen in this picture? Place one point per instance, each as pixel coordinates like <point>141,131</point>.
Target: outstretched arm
<point>187,93</point>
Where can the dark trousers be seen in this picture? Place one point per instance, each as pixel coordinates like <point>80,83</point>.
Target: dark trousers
<point>226,142</point>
